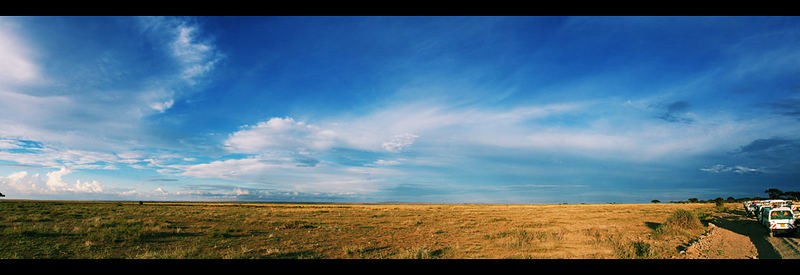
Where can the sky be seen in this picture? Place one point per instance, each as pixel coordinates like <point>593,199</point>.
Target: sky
<point>399,109</point>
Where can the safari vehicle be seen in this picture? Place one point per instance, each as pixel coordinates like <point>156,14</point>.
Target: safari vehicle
<point>796,211</point>
<point>778,220</point>
<point>752,209</point>
<point>762,211</point>
<point>775,203</point>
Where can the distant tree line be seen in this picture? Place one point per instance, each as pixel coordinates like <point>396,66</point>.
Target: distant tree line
<point>772,194</point>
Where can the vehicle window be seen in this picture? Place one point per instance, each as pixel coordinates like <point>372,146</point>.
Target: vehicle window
<point>781,215</point>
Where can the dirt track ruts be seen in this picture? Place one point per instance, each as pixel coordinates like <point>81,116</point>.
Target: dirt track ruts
<point>733,235</point>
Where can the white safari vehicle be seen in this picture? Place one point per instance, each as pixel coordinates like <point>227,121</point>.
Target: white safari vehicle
<point>752,208</point>
<point>778,220</point>
<point>796,210</point>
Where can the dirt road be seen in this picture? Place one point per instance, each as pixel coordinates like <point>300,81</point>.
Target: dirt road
<point>733,235</point>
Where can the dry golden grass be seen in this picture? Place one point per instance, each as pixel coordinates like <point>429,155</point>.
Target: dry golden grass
<point>370,231</point>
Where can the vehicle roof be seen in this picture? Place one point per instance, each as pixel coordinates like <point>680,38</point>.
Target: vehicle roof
<point>780,208</point>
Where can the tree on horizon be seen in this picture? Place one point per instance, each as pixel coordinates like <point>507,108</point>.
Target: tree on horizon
<point>774,193</point>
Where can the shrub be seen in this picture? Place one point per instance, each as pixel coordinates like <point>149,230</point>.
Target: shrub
<point>720,205</point>
<point>683,219</point>
<point>641,249</point>
<point>423,253</point>
<point>681,222</point>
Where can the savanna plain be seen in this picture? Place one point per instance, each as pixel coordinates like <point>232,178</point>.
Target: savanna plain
<point>217,230</point>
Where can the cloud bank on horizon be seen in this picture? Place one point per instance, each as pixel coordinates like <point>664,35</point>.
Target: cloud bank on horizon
<point>412,109</point>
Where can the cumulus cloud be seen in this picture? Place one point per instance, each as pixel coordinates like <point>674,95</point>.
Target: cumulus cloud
<point>52,183</point>
<point>22,182</point>
<point>280,134</point>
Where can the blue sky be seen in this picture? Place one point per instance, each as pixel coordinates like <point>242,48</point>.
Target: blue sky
<point>409,109</point>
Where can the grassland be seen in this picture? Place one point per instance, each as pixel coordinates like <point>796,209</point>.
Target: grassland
<point>90,230</point>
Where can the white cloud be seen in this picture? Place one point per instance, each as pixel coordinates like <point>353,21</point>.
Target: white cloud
<point>76,127</point>
<point>275,143</point>
<point>52,183</point>
<point>286,174</point>
<point>10,144</point>
<point>53,157</point>
<point>197,57</point>
<point>579,141</point>
<point>392,129</point>
<point>21,182</point>
<point>162,106</point>
<point>399,142</point>
<point>240,192</point>
<point>15,63</point>
<point>744,170</point>
<point>720,168</point>
<point>280,134</point>
<point>381,162</point>
<point>80,119</point>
